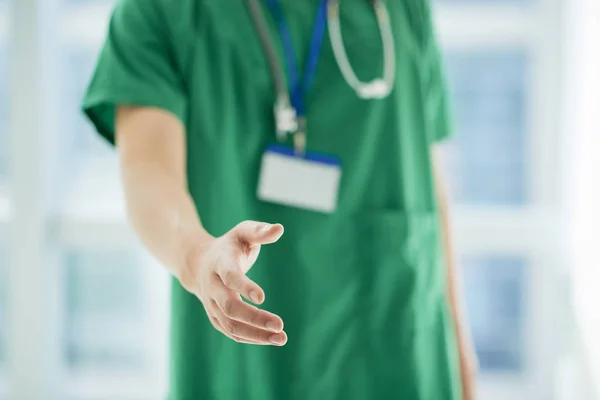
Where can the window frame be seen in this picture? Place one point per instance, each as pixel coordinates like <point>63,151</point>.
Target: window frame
<point>4,201</point>
<point>531,231</point>
<point>40,231</point>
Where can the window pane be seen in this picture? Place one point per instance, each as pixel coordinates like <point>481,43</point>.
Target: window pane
<point>3,307</point>
<point>105,326</point>
<point>487,157</point>
<point>4,144</point>
<point>494,288</point>
<point>3,320</point>
<point>88,179</point>
<point>4,152</point>
<point>80,139</point>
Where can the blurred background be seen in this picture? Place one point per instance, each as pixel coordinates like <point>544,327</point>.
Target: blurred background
<point>84,310</point>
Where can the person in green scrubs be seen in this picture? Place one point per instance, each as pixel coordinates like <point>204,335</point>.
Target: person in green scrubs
<point>360,290</point>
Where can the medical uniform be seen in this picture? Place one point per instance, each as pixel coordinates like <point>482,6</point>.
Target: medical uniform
<point>362,289</point>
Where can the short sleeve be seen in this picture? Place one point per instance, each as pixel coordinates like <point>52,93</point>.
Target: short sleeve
<point>437,103</point>
<point>137,66</point>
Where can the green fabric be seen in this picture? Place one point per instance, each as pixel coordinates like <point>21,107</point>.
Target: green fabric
<point>361,291</point>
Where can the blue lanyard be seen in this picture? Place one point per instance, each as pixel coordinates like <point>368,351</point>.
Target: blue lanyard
<point>298,89</point>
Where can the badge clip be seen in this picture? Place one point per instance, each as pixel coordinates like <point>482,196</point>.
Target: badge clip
<point>285,118</point>
<point>300,137</point>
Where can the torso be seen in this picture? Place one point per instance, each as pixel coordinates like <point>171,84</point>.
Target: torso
<point>361,291</point>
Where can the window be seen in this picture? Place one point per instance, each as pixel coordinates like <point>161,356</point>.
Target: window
<point>3,308</point>
<point>115,332</point>
<point>105,326</point>
<point>4,142</point>
<point>81,142</point>
<point>89,156</point>
<point>3,93</point>
<point>3,319</point>
<point>501,73</point>
<point>115,340</point>
<point>3,326</point>
<point>487,157</point>
<point>110,324</point>
<point>494,289</point>
<point>4,154</point>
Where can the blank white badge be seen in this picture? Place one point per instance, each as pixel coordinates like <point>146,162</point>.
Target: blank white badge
<point>310,182</point>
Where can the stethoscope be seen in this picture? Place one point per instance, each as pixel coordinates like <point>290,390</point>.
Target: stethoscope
<point>287,119</point>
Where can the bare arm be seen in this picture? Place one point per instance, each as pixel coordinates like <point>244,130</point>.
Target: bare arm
<point>152,153</point>
<point>154,178</point>
<point>468,361</point>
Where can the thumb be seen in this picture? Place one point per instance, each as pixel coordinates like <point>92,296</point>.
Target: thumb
<point>257,233</point>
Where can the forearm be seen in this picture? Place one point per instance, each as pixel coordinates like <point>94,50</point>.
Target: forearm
<point>466,352</point>
<point>162,214</point>
<point>152,156</point>
<point>453,286</point>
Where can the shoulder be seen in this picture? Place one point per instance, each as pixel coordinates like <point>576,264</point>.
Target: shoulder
<point>157,16</point>
<point>415,16</point>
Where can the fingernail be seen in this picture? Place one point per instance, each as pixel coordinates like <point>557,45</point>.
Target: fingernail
<point>254,296</point>
<point>276,339</point>
<point>272,326</point>
<point>265,228</point>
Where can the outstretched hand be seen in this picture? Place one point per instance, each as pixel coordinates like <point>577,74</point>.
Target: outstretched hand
<point>217,276</point>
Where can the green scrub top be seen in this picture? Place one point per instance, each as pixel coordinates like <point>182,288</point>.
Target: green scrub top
<point>361,291</point>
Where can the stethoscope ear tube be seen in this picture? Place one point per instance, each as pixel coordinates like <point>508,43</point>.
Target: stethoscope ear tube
<point>281,89</point>
<point>377,88</point>
<point>286,116</point>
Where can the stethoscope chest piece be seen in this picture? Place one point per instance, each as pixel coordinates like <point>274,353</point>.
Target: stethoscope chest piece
<point>378,88</point>
<point>289,111</point>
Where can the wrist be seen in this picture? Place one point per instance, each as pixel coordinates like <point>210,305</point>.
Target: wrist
<point>193,248</point>
<point>468,357</point>
<point>466,346</point>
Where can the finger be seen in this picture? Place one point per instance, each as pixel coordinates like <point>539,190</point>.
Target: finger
<point>217,325</point>
<point>211,310</point>
<point>256,233</point>
<point>214,320</point>
<point>247,333</point>
<point>237,281</point>
<point>246,341</point>
<point>232,306</point>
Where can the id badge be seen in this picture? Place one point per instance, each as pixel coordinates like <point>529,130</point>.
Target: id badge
<point>311,181</point>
